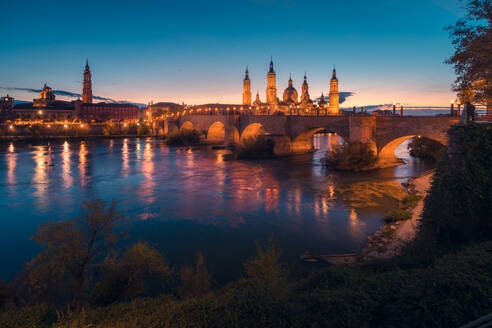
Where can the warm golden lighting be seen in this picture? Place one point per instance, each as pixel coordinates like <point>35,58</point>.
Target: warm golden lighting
<point>65,126</point>
<point>40,112</point>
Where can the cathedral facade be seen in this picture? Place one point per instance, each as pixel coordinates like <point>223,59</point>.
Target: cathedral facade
<point>290,102</point>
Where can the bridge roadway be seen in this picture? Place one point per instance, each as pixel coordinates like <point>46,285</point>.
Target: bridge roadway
<point>294,134</point>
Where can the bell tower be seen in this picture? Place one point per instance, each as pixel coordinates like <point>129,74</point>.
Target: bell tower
<point>305,91</point>
<point>271,90</point>
<point>334,108</point>
<point>246,89</point>
<point>87,88</point>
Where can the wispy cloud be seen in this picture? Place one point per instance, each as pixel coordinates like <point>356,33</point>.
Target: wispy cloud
<point>343,96</point>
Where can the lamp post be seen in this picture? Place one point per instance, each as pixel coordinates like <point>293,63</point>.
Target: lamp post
<point>394,108</point>
<point>362,108</point>
<point>298,110</point>
<point>355,107</point>
<point>459,108</point>
<point>401,109</point>
<point>290,110</point>
<point>452,107</point>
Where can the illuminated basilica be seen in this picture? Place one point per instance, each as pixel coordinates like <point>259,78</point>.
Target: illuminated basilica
<point>290,102</point>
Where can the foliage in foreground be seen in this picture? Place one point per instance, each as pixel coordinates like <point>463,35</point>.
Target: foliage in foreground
<point>397,215</point>
<point>451,291</point>
<point>184,137</point>
<point>459,204</point>
<point>351,156</point>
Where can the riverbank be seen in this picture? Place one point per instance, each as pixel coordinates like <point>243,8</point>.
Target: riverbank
<point>388,241</point>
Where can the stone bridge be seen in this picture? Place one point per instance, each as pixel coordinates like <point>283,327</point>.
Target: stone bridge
<point>294,134</point>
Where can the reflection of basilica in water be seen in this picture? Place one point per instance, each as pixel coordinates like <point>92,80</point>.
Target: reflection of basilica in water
<point>290,102</point>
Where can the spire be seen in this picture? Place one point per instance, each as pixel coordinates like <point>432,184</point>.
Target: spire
<point>271,65</point>
<point>290,80</point>
<point>305,79</point>
<point>246,77</point>
<point>334,76</point>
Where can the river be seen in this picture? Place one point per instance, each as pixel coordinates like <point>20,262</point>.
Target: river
<point>186,200</point>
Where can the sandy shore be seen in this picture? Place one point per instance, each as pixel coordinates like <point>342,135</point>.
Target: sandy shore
<point>388,241</point>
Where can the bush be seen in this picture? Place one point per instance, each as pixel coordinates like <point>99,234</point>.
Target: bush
<point>397,215</point>
<point>351,156</point>
<point>184,138</point>
<point>459,204</point>
<point>410,201</point>
<point>254,148</point>
<point>425,148</point>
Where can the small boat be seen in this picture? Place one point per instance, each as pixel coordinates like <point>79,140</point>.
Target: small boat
<point>330,258</point>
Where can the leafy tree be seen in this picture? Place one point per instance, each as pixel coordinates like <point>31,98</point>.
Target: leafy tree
<point>351,156</point>
<point>265,266</point>
<point>425,148</point>
<point>184,138</point>
<point>472,60</point>
<point>71,250</point>
<point>256,147</point>
<point>195,282</point>
<point>459,204</point>
<point>130,274</point>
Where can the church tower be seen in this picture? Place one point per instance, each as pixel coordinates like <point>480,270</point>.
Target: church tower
<point>87,88</point>
<point>246,89</point>
<point>334,108</point>
<point>305,91</point>
<point>271,90</point>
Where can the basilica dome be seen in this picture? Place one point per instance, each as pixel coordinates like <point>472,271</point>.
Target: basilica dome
<point>290,94</point>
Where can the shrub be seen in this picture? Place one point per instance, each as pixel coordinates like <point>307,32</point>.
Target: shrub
<point>425,148</point>
<point>184,138</point>
<point>254,148</point>
<point>410,201</point>
<point>351,156</point>
<point>459,204</point>
<point>397,215</point>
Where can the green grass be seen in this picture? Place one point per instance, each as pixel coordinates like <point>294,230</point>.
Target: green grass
<point>397,215</point>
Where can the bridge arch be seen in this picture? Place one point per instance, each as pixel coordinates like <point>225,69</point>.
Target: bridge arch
<point>253,130</point>
<point>187,125</point>
<point>303,142</point>
<point>387,153</point>
<point>216,132</point>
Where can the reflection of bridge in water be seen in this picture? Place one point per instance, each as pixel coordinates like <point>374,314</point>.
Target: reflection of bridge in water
<point>294,134</point>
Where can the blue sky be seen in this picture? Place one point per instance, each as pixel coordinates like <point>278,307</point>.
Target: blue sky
<point>196,51</point>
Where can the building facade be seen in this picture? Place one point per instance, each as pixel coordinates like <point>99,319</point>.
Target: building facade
<point>246,89</point>
<point>47,108</point>
<point>290,102</point>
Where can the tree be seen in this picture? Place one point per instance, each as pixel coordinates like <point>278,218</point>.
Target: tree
<point>265,266</point>
<point>472,60</point>
<point>71,250</point>
<point>195,282</point>
<point>129,275</point>
<point>351,156</point>
<point>458,206</point>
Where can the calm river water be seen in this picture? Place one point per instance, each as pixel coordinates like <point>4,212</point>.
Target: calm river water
<point>186,200</point>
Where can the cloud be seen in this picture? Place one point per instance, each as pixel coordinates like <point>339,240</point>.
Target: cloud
<point>343,96</point>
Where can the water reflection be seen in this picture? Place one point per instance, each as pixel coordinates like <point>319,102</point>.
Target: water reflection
<point>83,163</point>
<point>11,159</point>
<point>186,199</point>
<point>66,175</point>
<point>125,167</point>
<point>42,159</point>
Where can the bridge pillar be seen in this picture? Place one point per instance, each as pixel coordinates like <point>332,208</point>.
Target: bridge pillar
<point>170,126</point>
<point>231,134</point>
<point>363,129</point>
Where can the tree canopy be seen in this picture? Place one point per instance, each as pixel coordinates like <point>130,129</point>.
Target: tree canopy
<point>472,60</point>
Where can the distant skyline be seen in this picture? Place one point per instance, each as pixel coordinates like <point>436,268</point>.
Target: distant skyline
<point>196,52</point>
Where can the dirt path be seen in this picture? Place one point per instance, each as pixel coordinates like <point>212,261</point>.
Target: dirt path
<point>385,247</point>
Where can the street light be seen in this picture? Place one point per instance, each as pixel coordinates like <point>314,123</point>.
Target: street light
<point>452,107</point>
<point>394,108</point>
<point>401,109</point>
